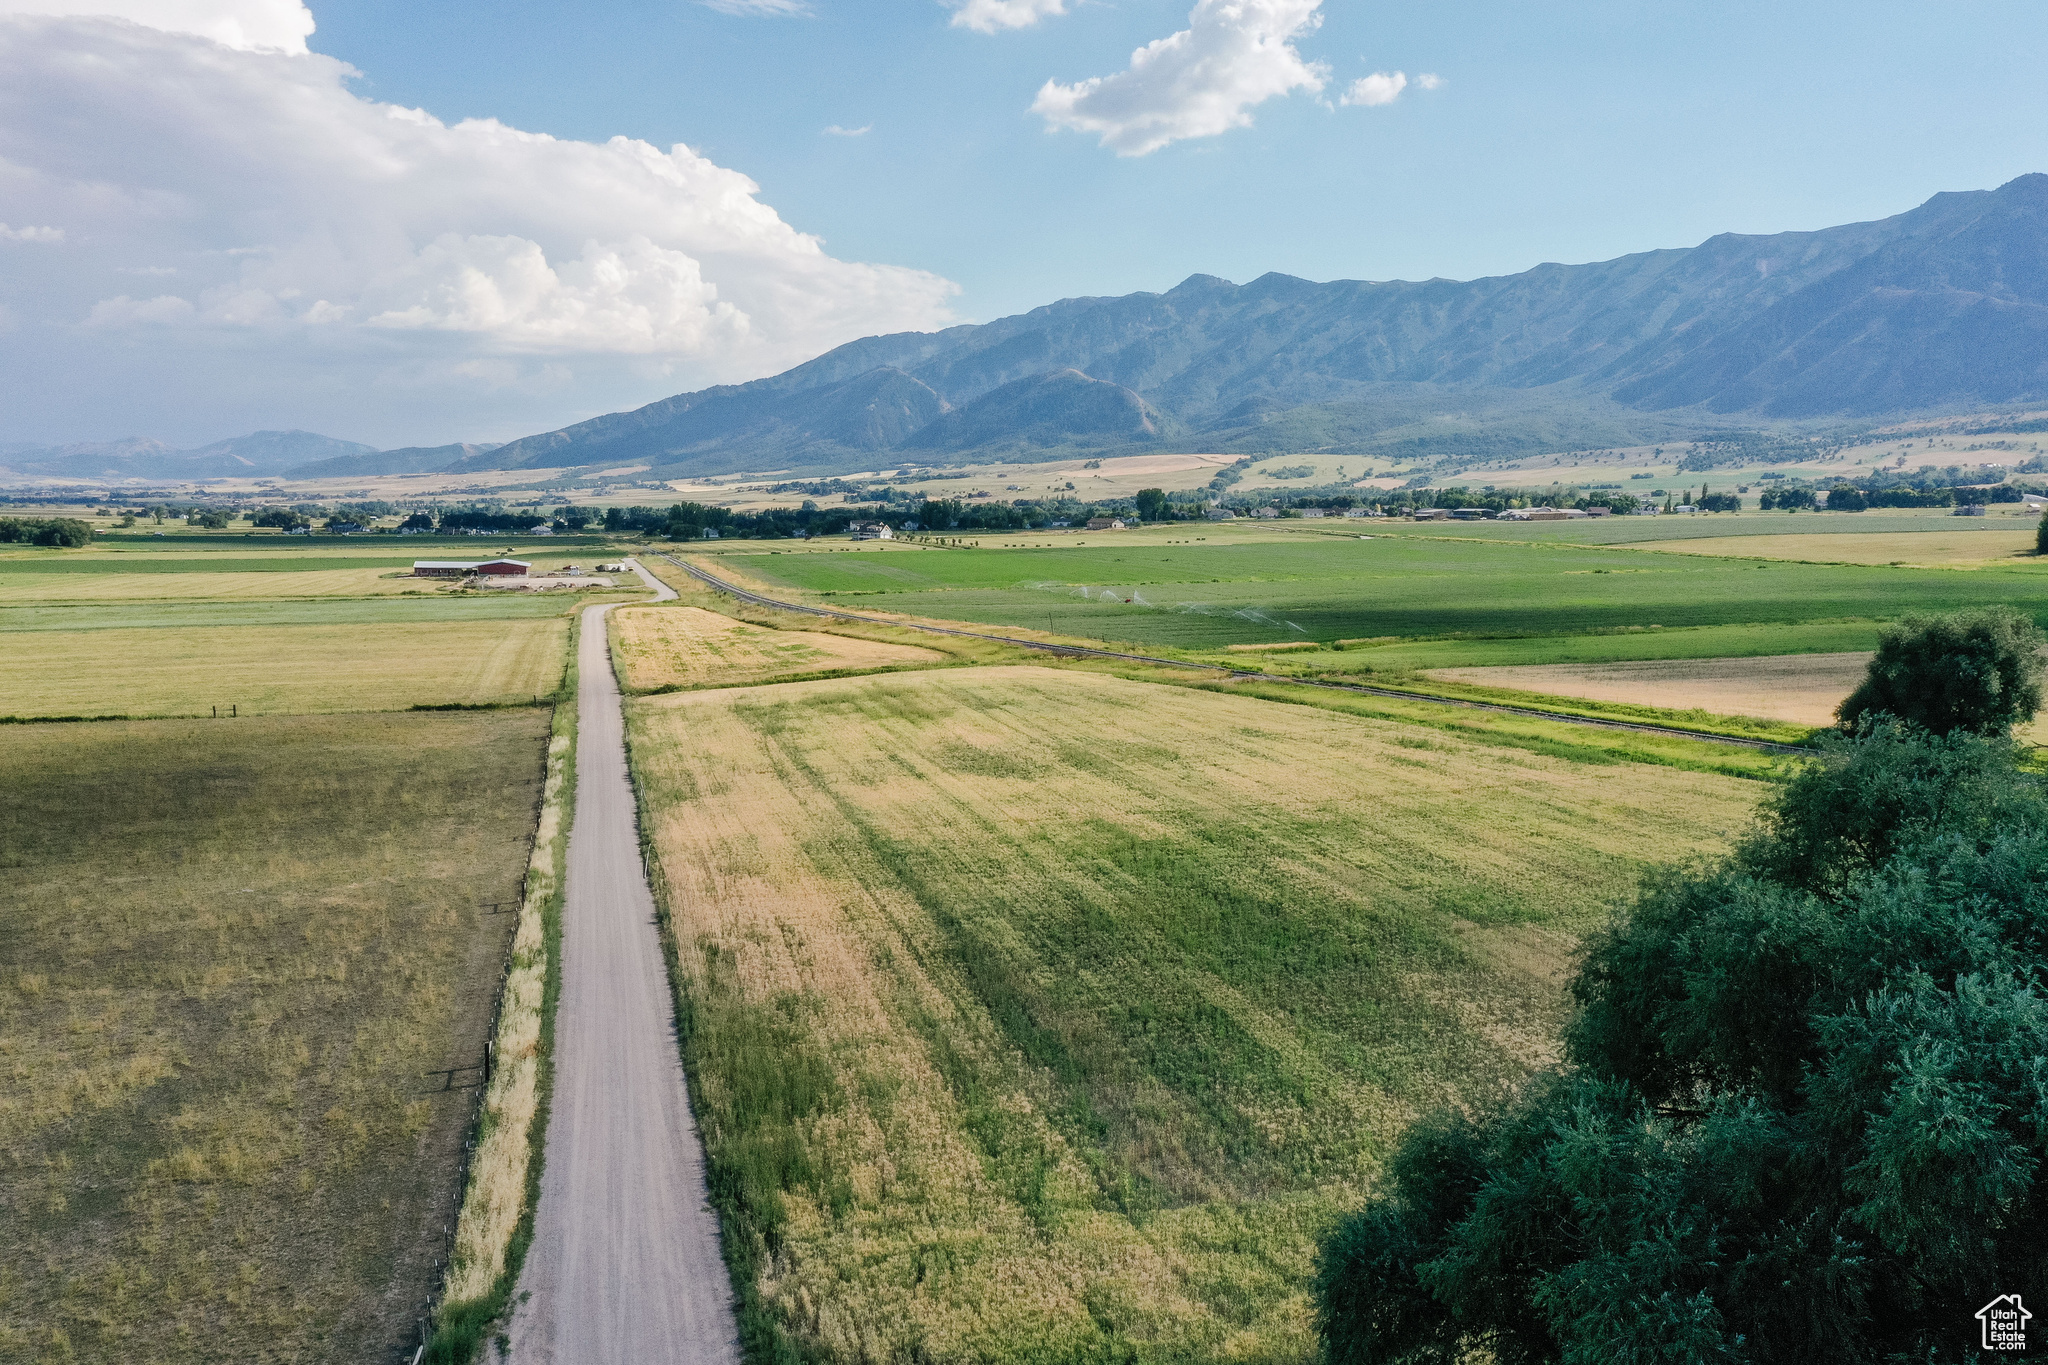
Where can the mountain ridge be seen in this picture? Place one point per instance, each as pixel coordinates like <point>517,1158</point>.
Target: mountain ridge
<point>1944,304</point>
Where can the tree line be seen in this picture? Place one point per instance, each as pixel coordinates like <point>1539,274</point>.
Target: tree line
<point>61,531</point>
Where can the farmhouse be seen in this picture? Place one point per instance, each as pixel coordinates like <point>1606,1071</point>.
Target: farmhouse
<point>1104,524</point>
<point>456,568</point>
<point>870,530</point>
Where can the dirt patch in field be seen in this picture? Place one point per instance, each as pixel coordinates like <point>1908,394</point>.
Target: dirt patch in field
<point>676,646</point>
<point>1802,688</point>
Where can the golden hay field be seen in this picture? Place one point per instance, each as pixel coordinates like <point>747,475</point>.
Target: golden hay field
<point>246,975</point>
<point>686,646</point>
<point>1939,548</point>
<point>20,588</point>
<point>299,669</point>
<point>1043,1014</point>
<point>1802,688</point>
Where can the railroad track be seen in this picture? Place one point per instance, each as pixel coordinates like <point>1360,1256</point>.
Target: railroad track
<point>1231,674</point>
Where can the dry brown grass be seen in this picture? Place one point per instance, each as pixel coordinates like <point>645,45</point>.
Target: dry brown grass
<point>680,646</point>
<point>240,962</point>
<point>1802,688</point>
<point>1038,1012</point>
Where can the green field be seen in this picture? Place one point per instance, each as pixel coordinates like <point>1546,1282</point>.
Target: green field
<point>1314,587</point>
<point>245,981</point>
<point>1043,1014</point>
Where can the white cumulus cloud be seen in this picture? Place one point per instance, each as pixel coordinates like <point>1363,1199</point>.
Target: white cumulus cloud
<point>1201,81</point>
<point>993,16</point>
<point>1384,87</point>
<point>834,130</point>
<point>30,234</point>
<point>246,25</point>
<point>1378,88</point>
<point>371,258</point>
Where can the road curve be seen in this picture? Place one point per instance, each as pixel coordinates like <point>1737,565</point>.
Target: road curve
<point>1237,675</point>
<point>625,1266</point>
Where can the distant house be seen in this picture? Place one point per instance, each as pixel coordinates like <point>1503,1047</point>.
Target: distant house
<point>1685,507</point>
<point>1355,512</point>
<point>870,530</point>
<point>1266,512</point>
<point>611,568</point>
<point>1313,511</point>
<point>1970,509</point>
<point>542,529</point>
<point>1470,514</point>
<point>345,528</point>
<point>1104,524</point>
<point>456,568</point>
<point>1220,514</point>
<point>1432,514</point>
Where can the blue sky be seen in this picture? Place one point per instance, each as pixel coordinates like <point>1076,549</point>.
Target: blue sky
<point>409,223</point>
<point>1563,132</point>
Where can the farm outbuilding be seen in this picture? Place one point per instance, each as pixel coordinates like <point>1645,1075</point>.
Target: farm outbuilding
<point>456,568</point>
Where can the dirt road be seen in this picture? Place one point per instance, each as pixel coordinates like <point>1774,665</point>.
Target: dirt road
<point>625,1265</point>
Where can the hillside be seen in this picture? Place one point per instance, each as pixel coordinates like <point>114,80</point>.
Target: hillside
<point>1942,306</point>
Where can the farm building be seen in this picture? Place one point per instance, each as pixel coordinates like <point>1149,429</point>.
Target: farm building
<point>1104,524</point>
<point>456,568</point>
<point>870,530</point>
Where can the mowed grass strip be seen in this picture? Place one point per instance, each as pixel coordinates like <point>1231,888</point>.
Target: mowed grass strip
<point>246,976</point>
<point>1044,1014</point>
<point>307,669</point>
<point>686,646</point>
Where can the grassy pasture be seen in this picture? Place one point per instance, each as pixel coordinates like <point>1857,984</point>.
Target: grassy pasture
<point>200,583</point>
<point>1043,1014</point>
<point>294,669</point>
<point>1203,596</point>
<point>241,959</point>
<point>678,646</point>
<point>337,611</point>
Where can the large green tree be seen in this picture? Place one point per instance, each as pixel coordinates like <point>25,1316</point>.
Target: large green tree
<point>1978,671</point>
<point>1803,1114</point>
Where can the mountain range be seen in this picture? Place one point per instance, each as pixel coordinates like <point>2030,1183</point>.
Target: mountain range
<point>1944,307</point>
